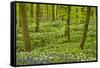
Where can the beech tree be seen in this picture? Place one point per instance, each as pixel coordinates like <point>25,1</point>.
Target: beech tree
<point>37,17</point>
<point>67,27</point>
<point>31,7</point>
<point>56,11</point>
<point>83,14</point>
<point>47,11</point>
<point>19,16</point>
<point>85,29</point>
<point>92,13</point>
<point>53,13</point>
<point>24,26</point>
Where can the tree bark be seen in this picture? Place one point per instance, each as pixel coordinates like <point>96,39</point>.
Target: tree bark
<point>83,13</point>
<point>56,11</point>
<point>86,23</point>
<point>47,11</point>
<point>53,13</point>
<point>92,13</point>
<point>24,25</point>
<point>31,7</point>
<point>19,15</point>
<point>37,17</point>
<point>31,11</point>
<point>67,27</point>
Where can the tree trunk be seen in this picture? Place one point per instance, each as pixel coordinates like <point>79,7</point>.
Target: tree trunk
<point>76,10</point>
<point>67,27</point>
<point>31,7</point>
<point>19,15</point>
<point>53,13</point>
<point>56,11</point>
<point>47,11</point>
<point>92,13</point>
<point>86,23</point>
<point>24,25</point>
<point>37,17</point>
<point>83,14</point>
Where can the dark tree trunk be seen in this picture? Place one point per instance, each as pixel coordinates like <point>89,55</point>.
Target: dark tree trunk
<point>31,10</point>
<point>56,11</point>
<point>31,7</point>
<point>19,16</point>
<point>83,13</point>
<point>67,28</point>
<point>24,25</point>
<point>92,13</point>
<point>77,15</point>
<point>37,17</point>
<point>76,10</point>
<point>86,23</point>
<point>47,11</point>
<point>53,13</point>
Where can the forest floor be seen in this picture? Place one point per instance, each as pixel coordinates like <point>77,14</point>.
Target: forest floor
<point>50,46</point>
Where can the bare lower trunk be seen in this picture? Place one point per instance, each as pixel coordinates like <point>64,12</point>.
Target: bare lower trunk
<point>86,23</point>
<point>67,27</point>
<point>24,25</point>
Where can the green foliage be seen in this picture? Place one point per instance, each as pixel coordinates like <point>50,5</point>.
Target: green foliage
<point>49,45</point>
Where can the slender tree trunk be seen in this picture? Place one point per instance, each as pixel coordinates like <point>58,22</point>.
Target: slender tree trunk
<point>86,23</point>
<point>24,25</point>
<point>83,13</point>
<point>92,13</point>
<point>47,11</point>
<point>76,10</point>
<point>53,13</point>
<point>56,11</point>
<point>31,8</point>
<point>19,16</point>
<point>77,15</point>
<point>37,17</point>
<point>67,27</point>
